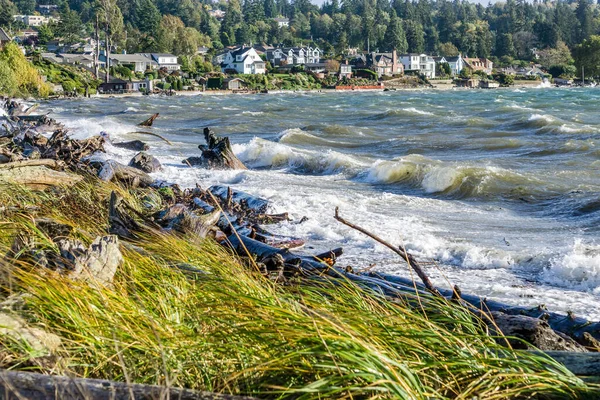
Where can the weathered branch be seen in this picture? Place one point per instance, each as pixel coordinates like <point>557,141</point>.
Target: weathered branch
<point>149,121</point>
<point>400,250</point>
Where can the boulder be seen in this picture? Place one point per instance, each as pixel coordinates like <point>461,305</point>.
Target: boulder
<point>112,170</point>
<point>534,331</point>
<point>145,162</point>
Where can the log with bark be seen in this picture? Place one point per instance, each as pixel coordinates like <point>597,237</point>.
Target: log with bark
<point>216,154</point>
<point>32,386</point>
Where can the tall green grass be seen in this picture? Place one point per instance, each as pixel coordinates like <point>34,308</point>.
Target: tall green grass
<point>230,329</point>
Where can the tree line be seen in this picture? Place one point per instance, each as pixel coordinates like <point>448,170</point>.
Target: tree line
<point>547,31</point>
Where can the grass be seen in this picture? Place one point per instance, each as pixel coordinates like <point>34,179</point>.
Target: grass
<point>231,330</point>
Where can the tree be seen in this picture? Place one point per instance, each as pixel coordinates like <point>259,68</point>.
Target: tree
<point>25,79</point>
<point>415,36</point>
<point>395,39</point>
<point>111,20</point>
<point>332,66</point>
<point>443,69</point>
<point>585,17</point>
<point>45,33</point>
<point>7,10</point>
<point>270,9</point>
<point>25,7</point>
<point>145,17</point>
<point>587,56</point>
<point>70,26</point>
<point>504,45</point>
<point>559,55</point>
<point>448,50</point>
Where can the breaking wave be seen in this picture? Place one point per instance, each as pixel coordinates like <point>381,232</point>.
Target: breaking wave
<point>578,268</point>
<point>455,180</point>
<point>260,153</point>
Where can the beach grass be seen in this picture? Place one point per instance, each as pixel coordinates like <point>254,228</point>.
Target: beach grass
<point>229,329</point>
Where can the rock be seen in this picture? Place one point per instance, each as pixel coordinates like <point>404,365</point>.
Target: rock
<point>99,261</point>
<point>41,342</point>
<point>534,331</point>
<point>112,170</point>
<point>145,162</point>
<point>136,145</point>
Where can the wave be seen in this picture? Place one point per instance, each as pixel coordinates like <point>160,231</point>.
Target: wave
<point>403,112</point>
<point>455,180</point>
<point>578,268</point>
<point>260,153</point>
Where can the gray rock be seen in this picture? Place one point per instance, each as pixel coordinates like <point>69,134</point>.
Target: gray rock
<point>112,170</point>
<point>136,145</point>
<point>145,162</point>
<point>534,331</point>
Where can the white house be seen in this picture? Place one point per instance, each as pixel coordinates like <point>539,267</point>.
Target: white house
<point>281,22</point>
<point>34,20</point>
<point>421,63</point>
<point>294,55</point>
<point>456,63</point>
<point>168,61</point>
<point>244,60</point>
<point>142,86</point>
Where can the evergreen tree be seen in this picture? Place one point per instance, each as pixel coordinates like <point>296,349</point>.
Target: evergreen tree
<point>415,36</point>
<point>270,9</point>
<point>7,10</point>
<point>25,7</point>
<point>504,45</point>
<point>585,17</point>
<point>145,16</point>
<point>395,39</point>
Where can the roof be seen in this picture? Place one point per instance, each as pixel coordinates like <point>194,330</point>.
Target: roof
<point>4,36</point>
<point>130,58</point>
<point>240,51</point>
<point>452,59</point>
<point>162,55</point>
<point>282,19</point>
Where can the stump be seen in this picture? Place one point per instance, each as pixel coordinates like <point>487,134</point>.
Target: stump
<point>217,154</point>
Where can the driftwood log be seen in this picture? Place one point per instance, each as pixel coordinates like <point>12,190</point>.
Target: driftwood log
<point>149,121</point>
<point>37,177</point>
<point>25,385</point>
<point>217,154</point>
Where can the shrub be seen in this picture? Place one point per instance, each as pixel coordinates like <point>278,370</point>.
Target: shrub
<point>24,78</point>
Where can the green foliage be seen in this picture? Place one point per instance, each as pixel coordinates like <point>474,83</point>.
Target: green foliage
<point>443,69</point>
<point>18,77</point>
<point>69,77</point>
<point>587,56</point>
<point>505,80</point>
<point>562,71</point>
<point>7,10</point>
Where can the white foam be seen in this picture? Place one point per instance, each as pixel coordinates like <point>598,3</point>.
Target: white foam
<point>439,179</point>
<point>414,110</point>
<point>542,117</point>
<point>578,267</point>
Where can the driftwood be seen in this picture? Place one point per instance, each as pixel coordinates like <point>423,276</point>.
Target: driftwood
<point>37,177</point>
<point>145,162</point>
<point>112,170</point>
<point>53,164</point>
<point>149,121</point>
<point>216,154</point>
<point>25,385</point>
<point>400,250</point>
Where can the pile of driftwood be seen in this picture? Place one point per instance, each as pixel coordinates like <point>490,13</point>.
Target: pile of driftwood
<point>237,220</point>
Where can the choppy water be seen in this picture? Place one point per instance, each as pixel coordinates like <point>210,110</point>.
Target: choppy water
<point>499,189</point>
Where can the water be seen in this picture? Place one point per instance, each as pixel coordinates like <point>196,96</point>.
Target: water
<point>498,190</point>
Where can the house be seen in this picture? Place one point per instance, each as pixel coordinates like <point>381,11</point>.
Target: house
<point>244,60</point>
<point>202,51</point>
<point>282,22</point>
<point>115,86</point>
<point>47,9</point>
<point>294,55</point>
<point>135,62</point>
<point>4,38</point>
<point>345,71</point>
<point>142,86</point>
<point>234,84</point>
<point>382,63</point>
<point>84,60</point>
<point>479,64</point>
<point>419,63</point>
<point>165,60</point>
<point>218,14</point>
<point>34,20</point>
<point>457,63</point>
<point>530,71</point>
